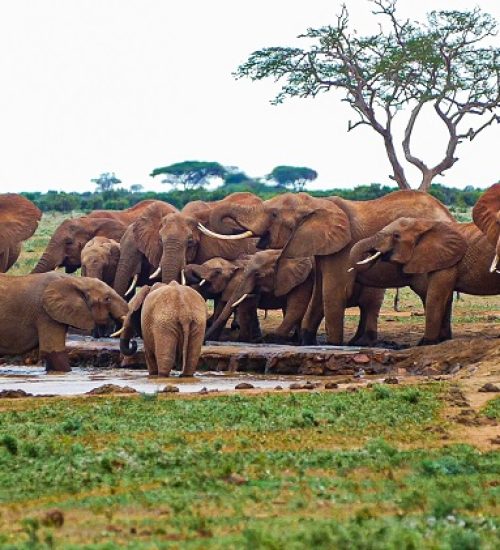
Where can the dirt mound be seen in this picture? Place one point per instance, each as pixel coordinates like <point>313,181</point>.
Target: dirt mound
<point>108,389</point>
<point>452,356</point>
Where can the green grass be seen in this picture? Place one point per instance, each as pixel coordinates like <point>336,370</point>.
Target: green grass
<point>323,470</point>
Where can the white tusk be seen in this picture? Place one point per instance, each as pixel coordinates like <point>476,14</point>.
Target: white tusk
<point>370,258</point>
<point>238,302</point>
<point>350,269</point>
<point>156,273</point>
<point>117,333</point>
<point>202,282</point>
<point>206,231</point>
<point>132,285</point>
<point>183,278</point>
<point>494,264</point>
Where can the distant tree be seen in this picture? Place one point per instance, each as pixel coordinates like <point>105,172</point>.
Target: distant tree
<point>105,181</point>
<point>136,187</point>
<point>190,173</point>
<point>292,177</point>
<point>236,178</point>
<point>406,65</point>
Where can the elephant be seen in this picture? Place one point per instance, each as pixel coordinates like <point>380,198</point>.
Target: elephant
<point>19,219</point>
<point>65,246</point>
<point>172,241</point>
<point>133,267</point>
<point>326,228</point>
<point>172,321</point>
<point>100,258</point>
<point>486,215</point>
<point>288,288</point>
<point>37,309</point>
<point>434,259</point>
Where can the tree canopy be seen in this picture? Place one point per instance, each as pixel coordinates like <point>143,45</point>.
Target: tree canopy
<point>406,65</point>
<point>292,177</point>
<point>190,173</point>
<point>106,181</point>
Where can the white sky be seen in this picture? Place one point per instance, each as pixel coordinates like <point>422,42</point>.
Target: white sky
<point>90,86</point>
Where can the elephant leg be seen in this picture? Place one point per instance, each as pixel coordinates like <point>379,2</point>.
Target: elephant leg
<point>337,288</point>
<point>438,304</point>
<point>249,321</point>
<point>165,350</point>
<point>296,305</point>
<point>314,313</point>
<point>369,302</point>
<point>193,351</point>
<point>52,345</point>
<point>445,333</point>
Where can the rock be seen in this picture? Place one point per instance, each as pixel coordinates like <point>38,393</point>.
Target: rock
<point>108,389</point>
<point>204,390</point>
<point>169,388</point>
<point>296,386</point>
<point>331,386</point>
<point>236,479</point>
<point>352,389</point>
<point>244,386</point>
<point>361,358</point>
<point>391,380</point>
<point>278,388</point>
<point>11,394</point>
<point>489,387</point>
<point>53,518</point>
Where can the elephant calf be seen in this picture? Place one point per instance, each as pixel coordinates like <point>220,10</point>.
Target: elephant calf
<point>36,311</point>
<point>100,258</point>
<point>172,320</point>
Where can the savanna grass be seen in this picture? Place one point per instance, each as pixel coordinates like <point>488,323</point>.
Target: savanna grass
<point>318,470</point>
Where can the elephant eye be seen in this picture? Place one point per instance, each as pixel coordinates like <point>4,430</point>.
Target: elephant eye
<point>396,235</point>
<point>107,299</point>
<point>68,240</point>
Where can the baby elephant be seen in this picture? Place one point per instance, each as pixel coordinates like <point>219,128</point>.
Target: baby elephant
<point>171,319</point>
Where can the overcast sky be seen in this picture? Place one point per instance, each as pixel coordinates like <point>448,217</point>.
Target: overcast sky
<point>91,86</point>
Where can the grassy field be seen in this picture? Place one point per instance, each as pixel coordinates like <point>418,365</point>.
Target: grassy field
<point>375,469</point>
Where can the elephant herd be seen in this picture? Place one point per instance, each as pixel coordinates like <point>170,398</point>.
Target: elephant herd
<point>309,257</point>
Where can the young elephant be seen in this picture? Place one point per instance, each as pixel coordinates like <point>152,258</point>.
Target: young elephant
<point>172,320</point>
<point>434,259</point>
<point>270,282</point>
<point>100,259</point>
<point>36,311</point>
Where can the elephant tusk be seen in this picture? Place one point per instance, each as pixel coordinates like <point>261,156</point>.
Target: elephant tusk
<point>210,233</point>
<point>494,263</point>
<point>132,285</point>
<point>183,278</point>
<point>117,333</point>
<point>202,282</point>
<point>350,269</point>
<point>156,273</point>
<point>238,302</point>
<point>370,258</point>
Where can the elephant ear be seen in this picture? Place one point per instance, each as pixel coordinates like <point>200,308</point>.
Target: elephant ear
<point>323,231</point>
<point>136,303</point>
<point>440,247</point>
<point>19,219</point>
<point>146,231</point>
<point>65,300</point>
<point>486,213</point>
<point>291,273</point>
<point>107,227</point>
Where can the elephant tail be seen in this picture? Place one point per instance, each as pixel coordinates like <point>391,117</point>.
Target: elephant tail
<point>186,331</point>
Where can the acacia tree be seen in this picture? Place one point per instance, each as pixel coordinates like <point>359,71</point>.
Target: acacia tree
<point>190,173</point>
<point>105,181</point>
<point>406,65</point>
<point>293,177</point>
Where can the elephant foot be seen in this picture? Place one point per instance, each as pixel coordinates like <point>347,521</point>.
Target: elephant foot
<point>274,338</point>
<point>56,361</point>
<point>308,338</point>
<point>369,339</point>
<point>427,342</point>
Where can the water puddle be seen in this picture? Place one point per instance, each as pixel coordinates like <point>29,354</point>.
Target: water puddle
<point>35,380</point>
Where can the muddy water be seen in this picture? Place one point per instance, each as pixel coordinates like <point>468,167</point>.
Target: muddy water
<point>35,380</point>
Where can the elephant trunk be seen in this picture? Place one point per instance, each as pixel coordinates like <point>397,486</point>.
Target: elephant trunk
<point>245,288</point>
<point>364,251</point>
<point>173,260</point>
<point>52,257</point>
<point>128,267</point>
<point>128,347</point>
<point>235,218</point>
